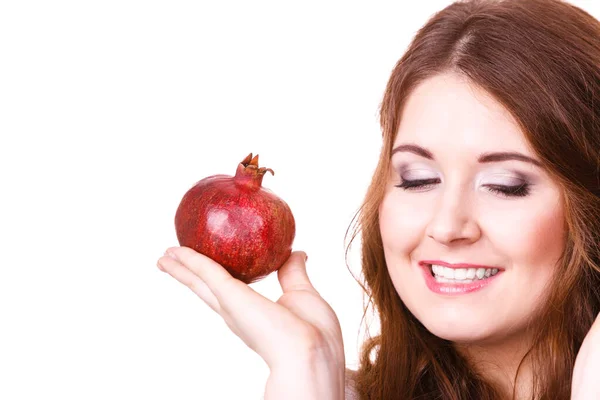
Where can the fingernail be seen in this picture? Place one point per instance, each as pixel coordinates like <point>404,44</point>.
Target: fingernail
<point>305,257</point>
<point>160,266</point>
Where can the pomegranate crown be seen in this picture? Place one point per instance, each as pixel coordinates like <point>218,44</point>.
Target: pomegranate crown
<point>249,174</point>
<point>252,163</point>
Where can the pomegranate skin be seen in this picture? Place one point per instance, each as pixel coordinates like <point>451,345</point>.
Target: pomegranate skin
<point>237,223</point>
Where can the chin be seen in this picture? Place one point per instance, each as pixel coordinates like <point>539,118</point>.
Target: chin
<point>460,335</point>
<point>459,328</point>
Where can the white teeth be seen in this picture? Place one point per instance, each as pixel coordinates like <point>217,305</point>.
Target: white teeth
<point>460,274</point>
<point>471,273</point>
<point>465,275</point>
<point>448,273</point>
<point>442,271</point>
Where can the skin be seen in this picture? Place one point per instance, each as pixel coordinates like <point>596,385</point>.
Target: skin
<point>299,336</point>
<point>458,219</point>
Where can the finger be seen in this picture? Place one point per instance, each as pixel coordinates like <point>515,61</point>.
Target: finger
<point>258,321</point>
<point>596,327</point>
<point>594,331</point>
<point>233,295</point>
<point>292,275</point>
<point>211,272</point>
<point>189,279</point>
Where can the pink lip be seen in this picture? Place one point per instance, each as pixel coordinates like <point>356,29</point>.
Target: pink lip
<point>454,288</point>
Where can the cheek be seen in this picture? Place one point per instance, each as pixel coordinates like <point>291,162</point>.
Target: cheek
<point>530,235</point>
<point>402,222</point>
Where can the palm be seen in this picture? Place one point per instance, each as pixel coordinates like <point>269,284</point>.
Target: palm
<point>310,308</point>
<point>298,323</point>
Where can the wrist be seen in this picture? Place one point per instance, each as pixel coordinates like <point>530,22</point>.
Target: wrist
<point>318,376</point>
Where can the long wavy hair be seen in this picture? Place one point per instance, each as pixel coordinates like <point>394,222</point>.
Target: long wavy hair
<point>541,60</point>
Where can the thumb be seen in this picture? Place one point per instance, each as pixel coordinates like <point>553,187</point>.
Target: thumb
<point>292,275</point>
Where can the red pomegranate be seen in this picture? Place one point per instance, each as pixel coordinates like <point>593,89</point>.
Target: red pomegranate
<point>235,221</point>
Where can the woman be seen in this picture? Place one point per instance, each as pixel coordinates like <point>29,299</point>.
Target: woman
<point>480,230</point>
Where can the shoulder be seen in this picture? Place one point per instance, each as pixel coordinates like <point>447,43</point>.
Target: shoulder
<point>350,391</point>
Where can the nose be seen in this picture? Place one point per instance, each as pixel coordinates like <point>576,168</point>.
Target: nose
<point>453,221</point>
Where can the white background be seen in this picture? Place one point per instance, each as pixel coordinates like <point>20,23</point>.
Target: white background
<point>109,112</point>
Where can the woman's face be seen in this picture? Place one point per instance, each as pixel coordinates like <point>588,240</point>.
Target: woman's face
<point>467,195</point>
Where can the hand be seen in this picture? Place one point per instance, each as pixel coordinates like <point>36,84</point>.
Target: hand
<point>586,384</point>
<point>299,333</point>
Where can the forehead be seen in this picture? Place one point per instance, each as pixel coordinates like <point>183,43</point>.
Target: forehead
<point>446,112</point>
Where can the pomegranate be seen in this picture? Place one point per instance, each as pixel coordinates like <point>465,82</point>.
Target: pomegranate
<point>235,221</point>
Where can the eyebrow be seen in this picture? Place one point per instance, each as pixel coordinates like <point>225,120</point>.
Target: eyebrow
<point>483,158</point>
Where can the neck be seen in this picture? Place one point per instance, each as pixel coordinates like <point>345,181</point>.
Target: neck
<point>499,362</point>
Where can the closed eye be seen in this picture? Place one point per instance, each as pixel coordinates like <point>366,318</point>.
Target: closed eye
<point>418,184</point>
<point>521,190</point>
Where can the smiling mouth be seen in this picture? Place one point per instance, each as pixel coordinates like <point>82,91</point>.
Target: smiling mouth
<point>444,274</point>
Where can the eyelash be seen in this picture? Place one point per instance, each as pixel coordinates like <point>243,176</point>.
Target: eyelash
<point>507,191</point>
<point>417,184</point>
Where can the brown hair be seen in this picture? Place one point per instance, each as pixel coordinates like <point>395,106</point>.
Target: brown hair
<point>541,60</point>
